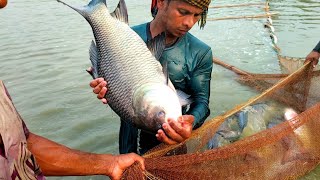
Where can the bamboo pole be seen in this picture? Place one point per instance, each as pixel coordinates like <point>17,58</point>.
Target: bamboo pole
<point>242,72</point>
<point>232,68</point>
<point>242,17</point>
<point>238,5</point>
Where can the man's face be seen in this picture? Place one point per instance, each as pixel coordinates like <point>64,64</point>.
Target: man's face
<point>180,16</point>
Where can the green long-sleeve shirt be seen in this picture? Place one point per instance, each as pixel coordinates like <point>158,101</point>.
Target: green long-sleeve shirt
<point>189,65</point>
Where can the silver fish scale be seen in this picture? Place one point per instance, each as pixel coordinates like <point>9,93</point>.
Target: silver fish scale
<point>125,61</point>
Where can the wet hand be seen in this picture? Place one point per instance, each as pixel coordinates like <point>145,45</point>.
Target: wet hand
<point>175,132</point>
<point>122,162</point>
<point>313,57</point>
<point>99,88</point>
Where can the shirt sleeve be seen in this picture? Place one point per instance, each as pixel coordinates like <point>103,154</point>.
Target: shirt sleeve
<point>317,48</point>
<point>200,88</point>
<point>25,129</point>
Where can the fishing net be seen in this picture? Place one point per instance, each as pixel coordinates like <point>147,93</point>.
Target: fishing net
<point>253,140</point>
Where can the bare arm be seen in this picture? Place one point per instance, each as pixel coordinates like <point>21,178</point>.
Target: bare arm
<point>58,160</point>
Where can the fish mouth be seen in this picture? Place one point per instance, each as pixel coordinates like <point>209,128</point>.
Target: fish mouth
<point>152,126</point>
<point>158,124</point>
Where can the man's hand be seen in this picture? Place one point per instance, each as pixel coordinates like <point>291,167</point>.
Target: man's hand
<point>71,162</point>
<point>176,131</point>
<point>124,161</point>
<point>99,88</point>
<point>313,57</point>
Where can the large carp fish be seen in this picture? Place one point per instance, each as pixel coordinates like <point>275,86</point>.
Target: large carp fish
<point>138,88</point>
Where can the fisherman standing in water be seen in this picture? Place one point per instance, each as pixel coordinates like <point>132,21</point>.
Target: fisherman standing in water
<point>189,63</point>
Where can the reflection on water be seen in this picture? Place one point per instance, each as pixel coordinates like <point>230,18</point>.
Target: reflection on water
<point>44,54</point>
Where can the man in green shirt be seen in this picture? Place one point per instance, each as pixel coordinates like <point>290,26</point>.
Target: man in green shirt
<point>189,63</point>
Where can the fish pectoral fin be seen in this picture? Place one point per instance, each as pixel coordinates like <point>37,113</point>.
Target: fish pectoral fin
<point>121,12</point>
<point>94,58</point>
<point>89,70</point>
<point>169,83</point>
<point>242,119</point>
<point>229,134</point>
<point>184,99</point>
<point>166,74</point>
<point>157,45</point>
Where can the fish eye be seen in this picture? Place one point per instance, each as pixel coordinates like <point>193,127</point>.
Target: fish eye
<point>161,114</point>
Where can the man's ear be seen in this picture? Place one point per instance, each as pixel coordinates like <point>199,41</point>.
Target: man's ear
<point>161,3</point>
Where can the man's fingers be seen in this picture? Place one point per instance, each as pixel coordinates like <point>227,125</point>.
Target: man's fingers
<point>102,92</point>
<point>187,119</point>
<point>315,62</point>
<point>136,158</point>
<point>173,130</point>
<point>96,82</point>
<point>180,132</point>
<point>97,90</point>
<point>139,159</point>
<point>100,89</point>
<point>161,136</point>
<point>307,60</point>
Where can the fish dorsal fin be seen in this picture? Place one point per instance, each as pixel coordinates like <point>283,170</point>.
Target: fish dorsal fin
<point>157,45</point>
<point>121,12</point>
<point>184,98</point>
<point>94,58</point>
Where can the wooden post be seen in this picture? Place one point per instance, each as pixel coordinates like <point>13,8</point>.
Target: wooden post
<point>242,17</point>
<point>238,5</point>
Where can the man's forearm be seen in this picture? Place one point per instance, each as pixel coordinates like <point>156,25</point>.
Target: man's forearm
<point>58,160</point>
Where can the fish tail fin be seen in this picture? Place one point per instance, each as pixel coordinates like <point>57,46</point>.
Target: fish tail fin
<point>86,11</point>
